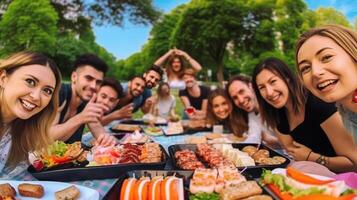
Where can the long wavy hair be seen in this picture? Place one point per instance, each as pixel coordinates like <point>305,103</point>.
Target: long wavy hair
<point>342,36</point>
<point>33,133</point>
<point>297,93</point>
<point>235,122</point>
<point>169,69</point>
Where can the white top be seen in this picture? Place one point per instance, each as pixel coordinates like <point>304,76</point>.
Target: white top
<point>5,145</point>
<point>177,84</point>
<point>165,105</point>
<point>254,133</point>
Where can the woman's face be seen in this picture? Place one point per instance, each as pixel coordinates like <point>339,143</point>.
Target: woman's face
<point>272,88</point>
<point>327,70</point>
<point>176,65</point>
<point>221,107</point>
<point>165,90</point>
<point>27,91</point>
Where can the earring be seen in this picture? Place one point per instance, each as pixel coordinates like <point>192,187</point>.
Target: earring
<point>354,97</point>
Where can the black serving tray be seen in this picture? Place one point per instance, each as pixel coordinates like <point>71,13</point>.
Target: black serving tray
<point>254,171</point>
<point>189,131</point>
<point>185,175</point>
<point>140,122</point>
<point>75,173</point>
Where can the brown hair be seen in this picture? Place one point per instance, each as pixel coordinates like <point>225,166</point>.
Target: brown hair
<point>30,134</point>
<point>297,93</point>
<point>159,89</point>
<point>235,122</point>
<point>342,36</point>
<point>169,70</point>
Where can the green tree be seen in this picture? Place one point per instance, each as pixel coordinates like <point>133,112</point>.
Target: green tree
<point>331,16</point>
<point>29,25</point>
<point>207,26</point>
<point>77,15</point>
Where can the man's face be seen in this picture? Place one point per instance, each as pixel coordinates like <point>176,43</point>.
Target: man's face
<point>151,78</point>
<point>86,81</point>
<point>136,86</point>
<point>190,80</point>
<point>108,97</point>
<point>243,95</point>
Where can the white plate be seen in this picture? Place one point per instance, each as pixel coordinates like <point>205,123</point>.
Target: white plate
<point>51,187</point>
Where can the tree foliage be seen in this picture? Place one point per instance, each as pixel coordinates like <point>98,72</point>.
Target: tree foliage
<point>330,16</point>
<point>29,25</point>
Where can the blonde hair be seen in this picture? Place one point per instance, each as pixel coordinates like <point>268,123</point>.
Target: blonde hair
<point>342,36</point>
<point>30,134</point>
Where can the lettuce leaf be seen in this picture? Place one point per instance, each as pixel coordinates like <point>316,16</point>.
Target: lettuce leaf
<point>204,196</point>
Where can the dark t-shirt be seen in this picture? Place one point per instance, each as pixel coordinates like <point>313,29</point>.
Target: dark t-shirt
<point>309,132</point>
<point>196,102</point>
<point>65,94</point>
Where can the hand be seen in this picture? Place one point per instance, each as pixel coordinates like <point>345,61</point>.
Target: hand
<point>299,151</point>
<point>105,140</point>
<point>125,111</point>
<point>93,111</point>
<point>190,111</point>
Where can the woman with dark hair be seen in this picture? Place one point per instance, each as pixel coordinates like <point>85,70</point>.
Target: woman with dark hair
<point>307,127</point>
<point>29,85</point>
<point>175,66</point>
<point>220,111</point>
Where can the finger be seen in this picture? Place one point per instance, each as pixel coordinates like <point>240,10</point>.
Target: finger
<point>99,140</point>
<point>94,97</point>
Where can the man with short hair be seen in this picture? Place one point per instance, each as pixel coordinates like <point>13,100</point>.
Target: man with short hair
<point>241,92</point>
<point>152,76</point>
<point>194,95</point>
<point>109,94</point>
<point>77,103</point>
<point>137,94</point>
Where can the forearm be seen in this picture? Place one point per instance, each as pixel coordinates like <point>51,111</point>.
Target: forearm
<point>106,119</point>
<point>65,130</point>
<point>195,65</point>
<point>162,59</point>
<point>337,164</point>
<point>96,128</point>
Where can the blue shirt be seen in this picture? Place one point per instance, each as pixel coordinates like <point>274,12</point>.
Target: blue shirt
<point>139,100</point>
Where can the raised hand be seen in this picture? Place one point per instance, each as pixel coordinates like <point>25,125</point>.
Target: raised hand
<point>92,111</point>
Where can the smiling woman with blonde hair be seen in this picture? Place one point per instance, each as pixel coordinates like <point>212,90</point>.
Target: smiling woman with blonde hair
<point>29,84</point>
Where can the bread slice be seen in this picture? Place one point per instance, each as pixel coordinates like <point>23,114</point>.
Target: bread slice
<point>70,193</point>
<point>31,190</point>
<point>6,190</point>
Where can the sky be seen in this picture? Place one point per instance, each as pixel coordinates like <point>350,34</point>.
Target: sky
<point>124,41</point>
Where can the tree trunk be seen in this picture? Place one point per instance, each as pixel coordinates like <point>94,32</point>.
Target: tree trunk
<point>220,76</point>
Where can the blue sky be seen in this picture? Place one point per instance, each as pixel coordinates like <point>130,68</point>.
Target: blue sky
<point>126,40</point>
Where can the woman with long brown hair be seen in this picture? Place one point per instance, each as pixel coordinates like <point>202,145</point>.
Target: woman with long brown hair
<point>29,84</point>
<point>220,111</point>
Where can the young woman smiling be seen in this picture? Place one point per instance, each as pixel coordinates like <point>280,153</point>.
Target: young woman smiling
<point>220,110</point>
<point>307,127</point>
<point>326,59</point>
<point>29,84</point>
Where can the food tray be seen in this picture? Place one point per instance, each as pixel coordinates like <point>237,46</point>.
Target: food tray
<point>69,172</point>
<point>116,130</point>
<point>255,171</point>
<point>188,131</point>
<point>185,175</point>
<point>140,122</point>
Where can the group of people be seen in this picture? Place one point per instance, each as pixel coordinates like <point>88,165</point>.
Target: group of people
<point>311,114</point>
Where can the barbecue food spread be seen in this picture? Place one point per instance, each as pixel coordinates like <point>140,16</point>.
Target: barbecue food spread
<point>7,191</point>
<point>126,127</point>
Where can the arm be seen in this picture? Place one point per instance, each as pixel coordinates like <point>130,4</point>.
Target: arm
<point>185,101</point>
<point>101,136</point>
<point>162,59</point>
<point>340,138</point>
<point>195,65</point>
<point>270,140</point>
<point>122,113</point>
<point>201,114</point>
